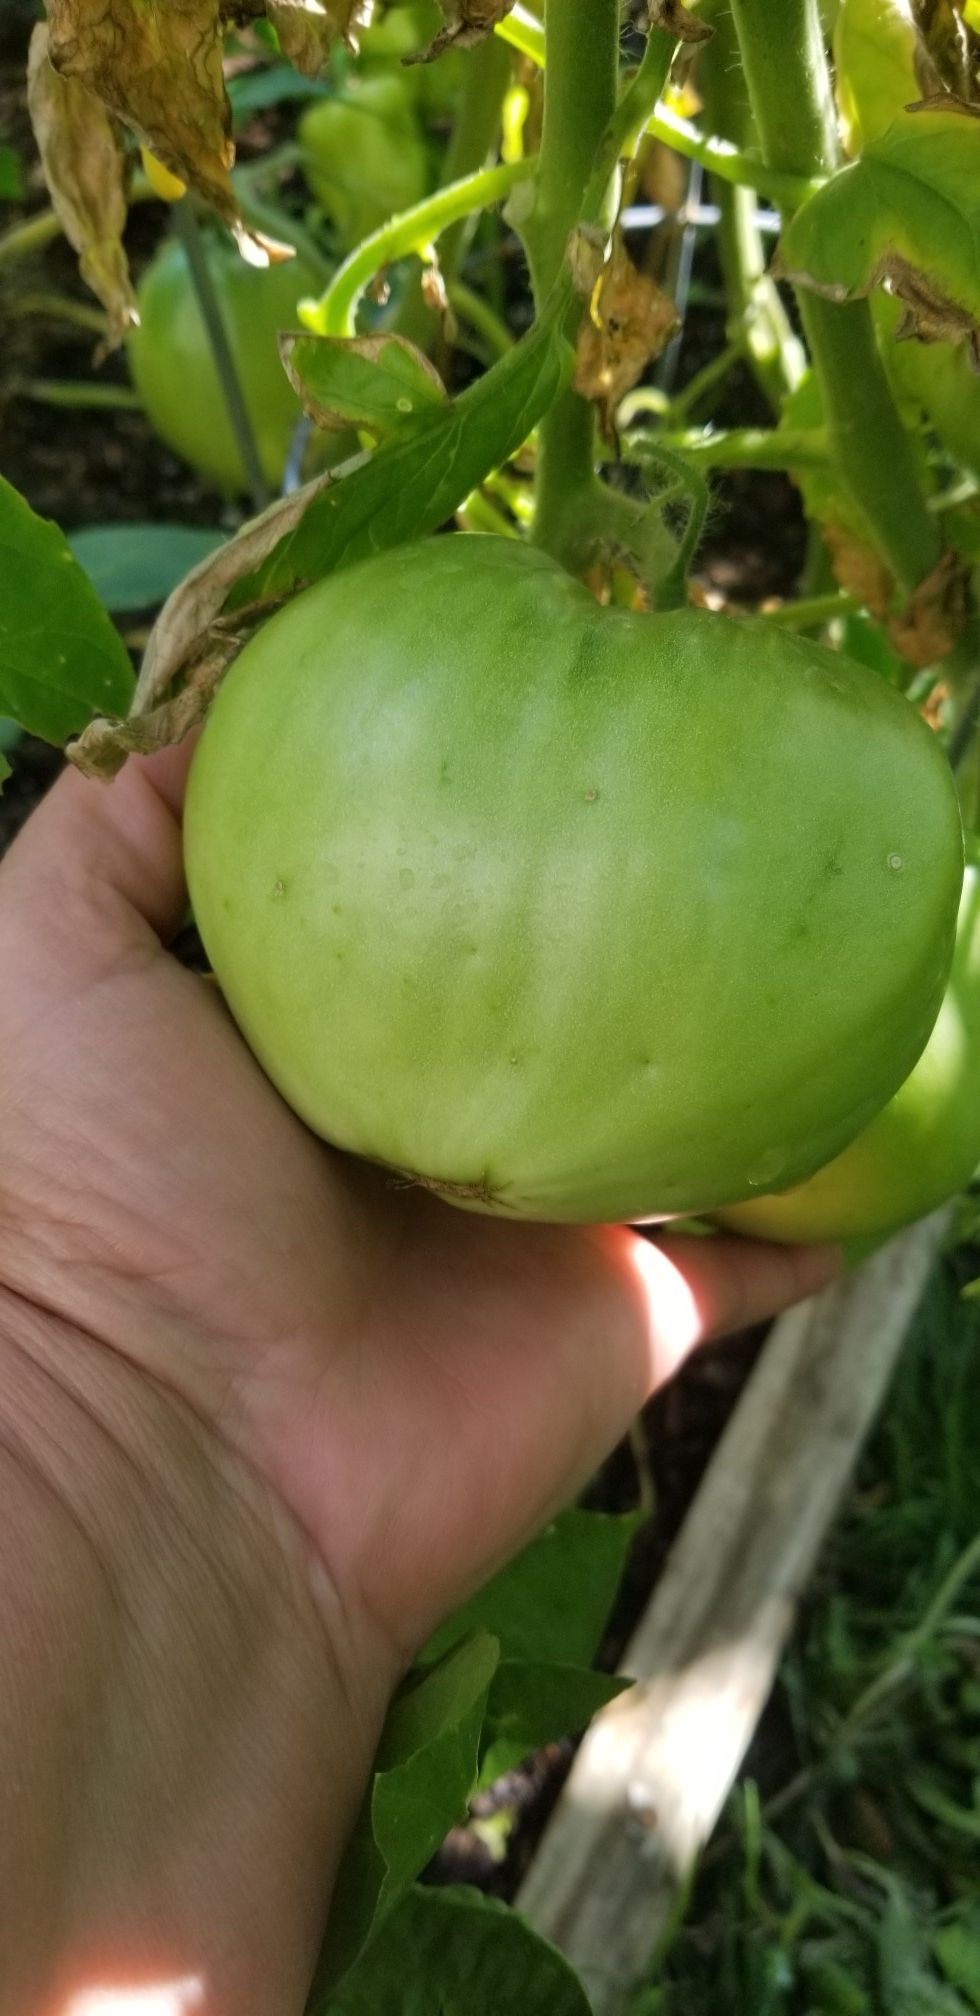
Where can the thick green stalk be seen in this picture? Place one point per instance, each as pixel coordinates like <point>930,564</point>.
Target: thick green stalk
<point>582,42</point>
<point>785,65</point>
<point>756,315</point>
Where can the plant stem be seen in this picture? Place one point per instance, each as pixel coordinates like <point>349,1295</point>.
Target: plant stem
<point>811,612</point>
<point>743,447</point>
<point>61,308</point>
<point>34,233</point>
<point>66,392</point>
<point>770,345</point>
<point>474,137</point>
<point>788,79</point>
<point>704,381</point>
<point>520,29</point>
<point>582,41</point>
<point>481,317</point>
<point>413,230</point>
<point>189,232</point>
<point>732,164</point>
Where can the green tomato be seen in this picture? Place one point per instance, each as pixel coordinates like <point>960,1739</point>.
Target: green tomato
<point>364,155</point>
<point>567,912</point>
<point>921,1149</point>
<point>403,31</point>
<point>175,373</point>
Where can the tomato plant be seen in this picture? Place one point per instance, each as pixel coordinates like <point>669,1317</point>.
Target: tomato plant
<point>524,885</point>
<point>920,1149</point>
<point>175,372</point>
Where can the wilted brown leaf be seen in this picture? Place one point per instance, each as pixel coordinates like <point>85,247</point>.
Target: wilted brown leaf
<point>307,28</point>
<point>950,48</point>
<point>103,747</point>
<point>190,646</point>
<point>927,626</point>
<point>935,615</point>
<point>85,170</point>
<point>629,322</point>
<point>197,601</point>
<point>930,316</point>
<point>467,22</point>
<point>677,20</point>
<point>858,570</point>
<point>159,69</point>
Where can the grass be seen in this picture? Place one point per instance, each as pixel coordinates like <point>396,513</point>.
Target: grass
<point>845,1877</point>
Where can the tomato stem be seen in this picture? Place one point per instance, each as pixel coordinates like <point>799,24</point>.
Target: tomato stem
<point>788,79</point>
<point>189,232</point>
<point>414,230</point>
<point>474,139</point>
<point>581,75</point>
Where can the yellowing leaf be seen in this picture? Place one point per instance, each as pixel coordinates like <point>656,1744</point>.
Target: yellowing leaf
<point>85,171</point>
<point>875,44</point>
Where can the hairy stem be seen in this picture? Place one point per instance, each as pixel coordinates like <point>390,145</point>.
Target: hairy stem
<point>582,46</point>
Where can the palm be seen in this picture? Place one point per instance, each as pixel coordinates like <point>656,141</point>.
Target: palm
<point>420,1386</point>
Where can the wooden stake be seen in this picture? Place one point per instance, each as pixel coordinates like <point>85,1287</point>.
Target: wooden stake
<point>656,1767</point>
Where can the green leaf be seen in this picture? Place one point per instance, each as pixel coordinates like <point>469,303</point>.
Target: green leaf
<point>907,212</point>
<point>454,1952</point>
<point>907,1983</point>
<point>957,1949</point>
<point>375,382</point>
<point>135,566</point>
<point>11,175</point>
<point>269,84</point>
<point>10,733</point>
<point>550,1604</point>
<point>5,771</point>
<point>874,59</point>
<point>61,660</point>
<point>425,1772</point>
<point>418,478</point>
<point>532,1703</point>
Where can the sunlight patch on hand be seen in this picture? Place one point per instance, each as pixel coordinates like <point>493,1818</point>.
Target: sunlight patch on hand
<point>164,1998</point>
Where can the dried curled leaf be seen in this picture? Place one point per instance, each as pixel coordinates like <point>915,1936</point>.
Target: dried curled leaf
<point>103,747</point>
<point>935,615</point>
<point>467,22</point>
<point>159,69</point>
<point>952,47</point>
<point>630,321</point>
<point>306,28</point>
<point>85,170</point>
<point>892,54</point>
<point>927,626</point>
<point>677,20</point>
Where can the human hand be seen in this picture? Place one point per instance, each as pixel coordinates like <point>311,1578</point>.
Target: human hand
<point>414,1389</point>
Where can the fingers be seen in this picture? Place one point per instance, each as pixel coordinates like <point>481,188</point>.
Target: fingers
<point>699,1288</point>
<point>118,840</point>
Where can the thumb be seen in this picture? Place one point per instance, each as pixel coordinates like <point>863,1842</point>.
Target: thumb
<point>101,862</point>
